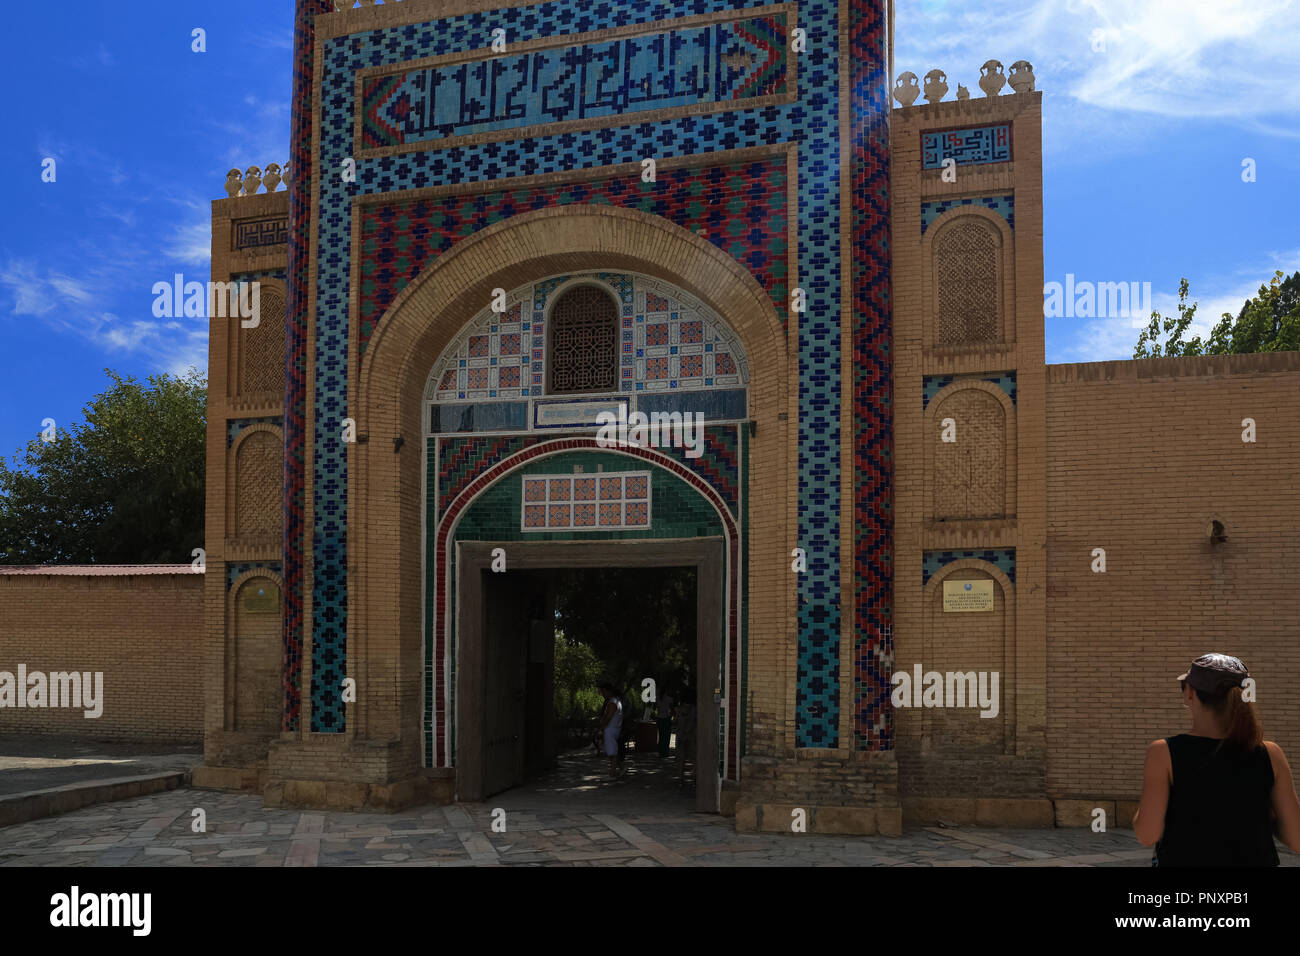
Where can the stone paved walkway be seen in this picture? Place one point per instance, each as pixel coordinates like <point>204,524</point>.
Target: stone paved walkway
<point>156,830</point>
<point>572,817</point>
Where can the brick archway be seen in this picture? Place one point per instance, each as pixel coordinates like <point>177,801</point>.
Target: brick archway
<point>445,536</point>
<point>385,491</point>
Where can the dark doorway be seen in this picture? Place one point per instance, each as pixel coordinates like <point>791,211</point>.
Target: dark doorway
<point>538,637</point>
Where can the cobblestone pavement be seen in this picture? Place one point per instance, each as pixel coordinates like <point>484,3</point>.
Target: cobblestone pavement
<point>572,818</point>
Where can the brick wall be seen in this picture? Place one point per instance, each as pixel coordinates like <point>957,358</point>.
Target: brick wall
<point>141,631</point>
<point>1141,457</point>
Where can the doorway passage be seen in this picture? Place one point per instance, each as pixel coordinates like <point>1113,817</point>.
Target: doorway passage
<point>548,634</point>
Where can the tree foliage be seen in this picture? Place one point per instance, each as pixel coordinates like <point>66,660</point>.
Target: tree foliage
<point>1270,322</point>
<point>635,622</point>
<point>124,487</point>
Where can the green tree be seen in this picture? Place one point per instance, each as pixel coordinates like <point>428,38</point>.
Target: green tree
<point>638,622</point>
<point>577,672</point>
<point>124,487</point>
<point>1270,322</point>
<point>1148,344</point>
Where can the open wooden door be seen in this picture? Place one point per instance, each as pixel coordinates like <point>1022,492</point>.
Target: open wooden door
<point>710,682</point>
<point>505,646</point>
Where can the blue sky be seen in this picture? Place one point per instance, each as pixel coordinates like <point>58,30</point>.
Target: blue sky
<point>1143,145</point>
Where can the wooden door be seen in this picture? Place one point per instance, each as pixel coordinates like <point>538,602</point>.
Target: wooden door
<point>711,682</point>
<point>505,642</point>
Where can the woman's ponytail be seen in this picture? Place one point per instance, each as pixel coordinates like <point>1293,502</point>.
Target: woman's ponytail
<point>1243,725</point>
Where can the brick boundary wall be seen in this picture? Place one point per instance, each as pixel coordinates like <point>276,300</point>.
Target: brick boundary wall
<point>1142,455</point>
<point>140,627</point>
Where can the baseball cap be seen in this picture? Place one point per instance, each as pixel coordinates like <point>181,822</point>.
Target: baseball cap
<point>1215,673</point>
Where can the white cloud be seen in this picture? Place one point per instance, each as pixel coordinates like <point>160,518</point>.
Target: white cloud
<point>62,302</point>
<point>191,243</point>
<point>1231,59</point>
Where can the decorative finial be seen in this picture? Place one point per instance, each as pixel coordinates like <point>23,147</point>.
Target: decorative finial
<point>906,90</point>
<point>271,179</point>
<point>234,183</point>
<point>991,78</point>
<point>1022,76</point>
<point>252,180</point>
<point>963,94</point>
<point>936,85</point>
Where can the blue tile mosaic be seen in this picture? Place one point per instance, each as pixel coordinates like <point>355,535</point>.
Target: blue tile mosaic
<point>931,385</point>
<point>1002,558</point>
<point>236,425</point>
<point>1004,206</point>
<point>233,571</point>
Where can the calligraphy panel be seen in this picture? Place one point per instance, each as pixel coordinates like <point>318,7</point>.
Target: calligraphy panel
<point>970,147</point>
<point>665,68</point>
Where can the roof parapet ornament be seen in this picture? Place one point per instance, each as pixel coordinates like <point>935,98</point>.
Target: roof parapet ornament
<point>251,180</point>
<point>936,85</point>
<point>906,89</point>
<point>1022,76</point>
<point>992,79</point>
<point>272,177</point>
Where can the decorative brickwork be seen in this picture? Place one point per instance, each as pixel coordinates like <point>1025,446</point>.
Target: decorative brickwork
<point>261,349</point>
<point>258,479</point>
<point>969,474</point>
<point>966,267</point>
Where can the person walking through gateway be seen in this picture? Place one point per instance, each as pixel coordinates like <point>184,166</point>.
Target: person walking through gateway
<point>1215,796</point>
<point>664,719</point>
<point>611,725</point>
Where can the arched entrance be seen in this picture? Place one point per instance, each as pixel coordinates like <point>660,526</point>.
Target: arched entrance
<point>401,678</point>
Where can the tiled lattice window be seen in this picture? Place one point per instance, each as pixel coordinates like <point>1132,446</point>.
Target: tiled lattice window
<point>584,342</point>
<point>604,501</point>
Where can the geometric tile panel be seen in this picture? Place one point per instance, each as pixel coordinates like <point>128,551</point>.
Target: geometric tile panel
<point>931,385</point>
<point>400,240</point>
<point>870,523</point>
<point>586,502</point>
<point>668,341</point>
<point>298,538</point>
<point>1004,206</point>
<point>1002,558</point>
<point>970,147</point>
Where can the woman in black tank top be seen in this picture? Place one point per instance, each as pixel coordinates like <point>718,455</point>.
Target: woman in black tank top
<point>1215,796</point>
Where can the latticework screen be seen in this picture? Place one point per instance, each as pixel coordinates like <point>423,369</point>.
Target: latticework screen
<point>261,353</point>
<point>584,342</point>
<point>966,260</point>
